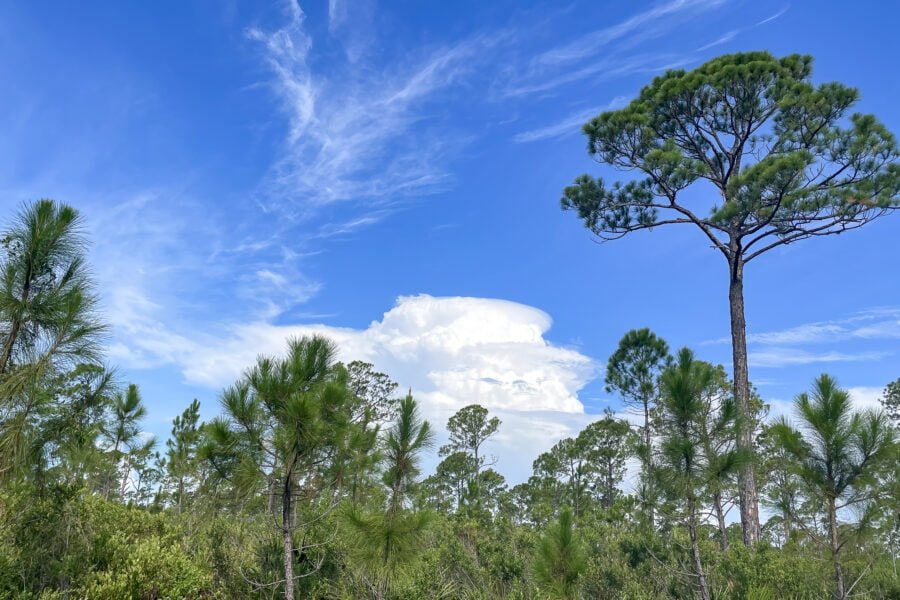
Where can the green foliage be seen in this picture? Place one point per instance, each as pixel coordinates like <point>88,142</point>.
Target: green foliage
<point>606,445</point>
<point>48,321</point>
<point>891,400</point>
<point>635,366</point>
<point>96,549</point>
<point>288,422</point>
<point>689,459</point>
<point>469,429</point>
<point>766,571</point>
<point>387,541</point>
<point>837,455</point>
<point>148,569</point>
<point>403,446</point>
<point>838,450</point>
<point>459,480</point>
<point>582,472</point>
<point>755,127</point>
<point>122,435</point>
<point>691,463</point>
<point>372,391</point>
<point>181,463</point>
<point>448,486</point>
<point>560,560</point>
<point>46,297</point>
<point>633,371</point>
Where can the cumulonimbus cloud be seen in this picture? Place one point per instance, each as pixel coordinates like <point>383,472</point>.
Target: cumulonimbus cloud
<point>457,350</point>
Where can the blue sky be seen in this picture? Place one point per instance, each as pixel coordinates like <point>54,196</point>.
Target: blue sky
<point>389,174</point>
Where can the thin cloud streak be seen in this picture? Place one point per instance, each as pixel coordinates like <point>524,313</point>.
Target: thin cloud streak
<point>569,125</point>
<point>589,44</point>
<point>576,60</point>
<point>874,323</point>
<point>785,347</point>
<point>774,16</point>
<point>786,357</point>
<point>608,68</point>
<point>724,39</point>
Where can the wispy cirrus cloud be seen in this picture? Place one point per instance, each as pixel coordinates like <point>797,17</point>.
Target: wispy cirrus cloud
<point>723,39</point>
<point>358,132</point>
<point>359,135</point>
<point>578,60</point>
<point>569,125</point>
<point>803,344</point>
<point>589,44</point>
<point>786,357</point>
<point>353,23</point>
<point>614,51</point>
<point>874,323</point>
<point>774,16</point>
<point>607,68</point>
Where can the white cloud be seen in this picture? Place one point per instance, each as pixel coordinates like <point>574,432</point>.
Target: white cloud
<point>609,67</point>
<point>458,349</point>
<point>589,44</point>
<point>785,347</point>
<point>353,24</point>
<point>451,351</point>
<point>727,37</point>
<point>165,255</point>
<point>774,16</point>
<point>880,322</point>
<point>866,397</point>
<point>603,54</point>
<point>784,357</point>
<point>571,124</point>
<point>807,333</point>
<point>358,131</point>
<point>887,329</point>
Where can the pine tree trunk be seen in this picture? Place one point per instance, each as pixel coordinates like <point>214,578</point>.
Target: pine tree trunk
<point>576,498</point>
<point>610,485</point>
<point>126,469</point>
<point>695,552</point>
<point>648,502</point>
<point>787,524</point>
<point>10,344</point>
<point>839,592</point>
<point>273,492</point>
<point>749,501</point>
<point>107,486</point>
<point>16,324</point>
<point>647,427</point>
<point>720,520</point>
<point>647,457</point>
<point>288,539</point>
